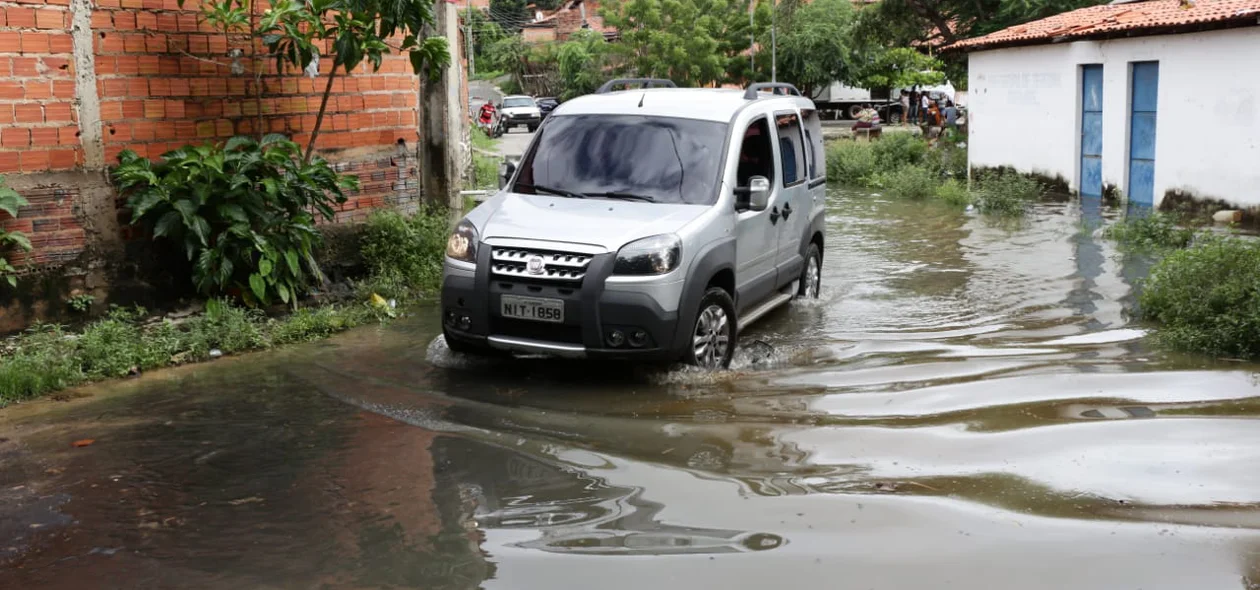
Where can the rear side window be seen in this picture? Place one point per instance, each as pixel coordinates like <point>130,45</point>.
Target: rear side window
<point>791,148</point>
<point>813,142</point>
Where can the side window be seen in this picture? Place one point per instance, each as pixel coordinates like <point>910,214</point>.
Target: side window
<point>791,147</point>
<point>756,156</point>
<point>813,141</point>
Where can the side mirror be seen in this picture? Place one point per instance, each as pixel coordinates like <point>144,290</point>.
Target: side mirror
<point>507,169</point>
<point>758,193</point>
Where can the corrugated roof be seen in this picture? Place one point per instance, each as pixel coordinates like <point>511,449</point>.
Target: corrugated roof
<point>1135,18</point>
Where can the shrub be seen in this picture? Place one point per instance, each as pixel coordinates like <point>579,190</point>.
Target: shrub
<point>114,346</point>
<point>1207,298</point>
<point>314,324</point>
<point>10,202</point>
<point>948,160</point>
<point>908,182</point>
<point>1156,231</point>
<point>406,252</point>
<point>44,361</point>
<point>485,172</point>
<point>954,193</point>
<point>224,327</point>
<point>850,162</point>
<point>895,150</point>
<point>244,211</point>
<point>1006,193</point>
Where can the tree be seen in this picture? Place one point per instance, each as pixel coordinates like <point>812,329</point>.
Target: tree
<point>815,48</point>
<point>900,67</point>
<point>484,31</point>
<point>582,62</point>
<point>356,30</point>
<point>948,21</point>
<point>692,42</point>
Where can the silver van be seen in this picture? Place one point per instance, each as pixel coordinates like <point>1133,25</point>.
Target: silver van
<point>652,223</point>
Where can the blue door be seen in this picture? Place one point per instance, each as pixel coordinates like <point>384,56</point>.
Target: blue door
<point>1145,92</point>
<point>1091,130</point>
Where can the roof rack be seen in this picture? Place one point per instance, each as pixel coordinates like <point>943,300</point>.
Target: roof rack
<point>780,88</point>
<point>644,82</point>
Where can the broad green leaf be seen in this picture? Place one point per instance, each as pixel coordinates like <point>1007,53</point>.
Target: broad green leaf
<point>284,292</point>
<point>17,240</point>
<point>264,267</point>
<point>291,256</point>
<point>167,225</point>
<point>12,280</point>
<point>258,286</point>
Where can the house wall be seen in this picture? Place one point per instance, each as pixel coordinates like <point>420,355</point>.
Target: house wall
<point>82,80</point>
<point>1024,111</point>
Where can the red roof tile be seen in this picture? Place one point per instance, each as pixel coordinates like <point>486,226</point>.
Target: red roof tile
<point>1149,17</point>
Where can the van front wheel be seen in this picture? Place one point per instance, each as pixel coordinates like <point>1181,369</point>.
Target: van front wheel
<point>810,283</point>
<point>713,334</point>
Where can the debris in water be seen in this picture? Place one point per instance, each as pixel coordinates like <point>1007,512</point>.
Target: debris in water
<point>215,353</point>
<point>87,442</point>
<point>242,501</point>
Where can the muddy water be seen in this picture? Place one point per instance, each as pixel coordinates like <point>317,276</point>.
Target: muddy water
<point>968,406</point>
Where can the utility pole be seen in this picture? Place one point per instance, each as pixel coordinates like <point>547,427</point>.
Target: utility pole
<point>774,46</point>
<point>468,32</point>
<point>752,41</point>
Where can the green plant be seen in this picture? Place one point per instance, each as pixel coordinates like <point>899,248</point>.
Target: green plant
<point>355,31</point>
<point>895,150</point>
<point>948,160</point>
<point>850,162</point>
<point>485,172</point>
<point>405,253</point>
<point>1206,298</point>
<point>244,211</point>
<point>953,193</point>
<point>10,202</point>
<point>116,346</point>
<point>1006,193</point>
<point>482,141</point>
<point>80,303</point>
<point>908,182</point>
<point>1152,232</point>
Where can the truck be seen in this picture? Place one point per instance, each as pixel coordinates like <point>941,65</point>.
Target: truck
<point>839,101</point>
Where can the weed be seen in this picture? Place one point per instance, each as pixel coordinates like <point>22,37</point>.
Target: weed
<point>896,150</point>
<point>314,324</point>
<point>954,193</point>
<point>1206,298</point>
<point>406,252</point>
<point>81,303</point>
<point>482,141</point>
<point>1153,232</point>
<point>485,172</point>
<point>850,162</point>
<point>909,182</point>
<point>1006,194</point>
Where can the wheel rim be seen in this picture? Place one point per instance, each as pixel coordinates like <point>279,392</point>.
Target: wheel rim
<point>812,278</point>
<point>712,337</point>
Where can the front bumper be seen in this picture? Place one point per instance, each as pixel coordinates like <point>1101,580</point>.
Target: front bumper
<point>471,314</point>
<point>522,119</point>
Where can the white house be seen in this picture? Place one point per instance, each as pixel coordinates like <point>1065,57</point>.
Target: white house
<point>1147,97</point>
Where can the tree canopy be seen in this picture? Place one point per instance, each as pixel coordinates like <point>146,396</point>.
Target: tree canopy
<point>947,21</point>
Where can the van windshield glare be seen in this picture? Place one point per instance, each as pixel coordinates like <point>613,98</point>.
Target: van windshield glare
<point>664,159</point>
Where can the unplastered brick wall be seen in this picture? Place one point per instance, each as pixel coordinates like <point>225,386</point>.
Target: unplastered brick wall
<point>163,79</point>
<point>38,129</point>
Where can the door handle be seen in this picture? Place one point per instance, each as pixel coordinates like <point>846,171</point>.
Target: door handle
<point>787,210</point>
<point>774,215</point>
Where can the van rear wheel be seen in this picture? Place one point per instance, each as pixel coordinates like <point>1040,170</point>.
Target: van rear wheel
<point>810,283</point>
<point>713,334</point>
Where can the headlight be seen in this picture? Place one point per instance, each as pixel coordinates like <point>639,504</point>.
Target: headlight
<point>462,245</point>
<point>656,255</point>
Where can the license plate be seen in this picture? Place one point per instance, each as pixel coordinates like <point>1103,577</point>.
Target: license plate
<point>532,308</point>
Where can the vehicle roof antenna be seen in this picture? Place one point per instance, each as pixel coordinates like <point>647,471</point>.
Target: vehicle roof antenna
<point>641,99</point>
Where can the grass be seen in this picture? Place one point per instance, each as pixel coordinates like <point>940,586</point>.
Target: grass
<point>908,182</point>
<point>46,358</point>
<point>1155,232</point>
<point>1206,298</point>
<point>482,141</point>
<point>404,253</point>
<point>1006,193</point>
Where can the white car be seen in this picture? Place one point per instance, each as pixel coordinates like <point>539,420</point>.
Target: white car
<point>650,224</point>
<point>520,111</point>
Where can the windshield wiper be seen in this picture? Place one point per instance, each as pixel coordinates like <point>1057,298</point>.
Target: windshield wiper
<point>623,196</point>
<point>554,191</point>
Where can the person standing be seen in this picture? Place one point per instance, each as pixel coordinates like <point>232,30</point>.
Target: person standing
<point>905,107</point>
<point>925,101</point>
<point>951,115</point>
<point>914,107</point>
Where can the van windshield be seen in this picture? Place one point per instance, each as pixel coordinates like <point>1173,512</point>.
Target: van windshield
<point>657,159</point>
<point>518,102</point>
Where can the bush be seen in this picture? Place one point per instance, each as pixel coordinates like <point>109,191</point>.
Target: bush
<point>116,346</point>
<point>1157,231</point>
<point>485,172</point>
<point>896,150</point>
<point>10,202</point>
<point>1006,193</point>
<point>244,211</point>
<point>850,162</point>
<point>406,252</point>
<point>44,362</point>
<point>908,182</point>
<point>948,160</point>
<point>954,193</point>
<point>1207,298</point>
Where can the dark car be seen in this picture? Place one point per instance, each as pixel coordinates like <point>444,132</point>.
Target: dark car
<point>546,104</point>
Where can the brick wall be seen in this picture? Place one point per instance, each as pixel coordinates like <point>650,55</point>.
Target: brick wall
<point>164,79</point>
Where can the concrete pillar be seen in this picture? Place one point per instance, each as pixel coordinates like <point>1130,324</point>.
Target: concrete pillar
<point>443,131</point>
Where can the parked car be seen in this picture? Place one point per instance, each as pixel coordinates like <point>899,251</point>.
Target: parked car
<point>519,111</point>
<point>547,104</point>
<point>649,225</point>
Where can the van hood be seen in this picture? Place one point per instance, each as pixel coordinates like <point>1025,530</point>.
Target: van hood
<point>598,222</point>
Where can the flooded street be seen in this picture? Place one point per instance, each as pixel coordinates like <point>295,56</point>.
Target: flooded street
<point>967,406</point>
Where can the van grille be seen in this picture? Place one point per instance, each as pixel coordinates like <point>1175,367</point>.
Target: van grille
<point>548,265</point>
